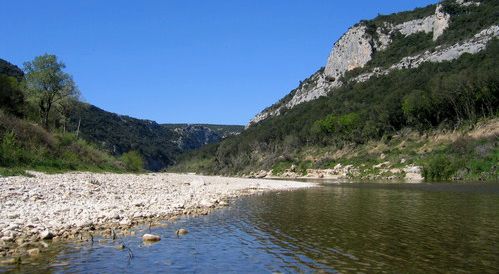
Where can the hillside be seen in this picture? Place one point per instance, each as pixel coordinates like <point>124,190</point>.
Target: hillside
<point>421,73</point>
<point>80,136</point>
<point>11,70</point>
<point>159,144</point>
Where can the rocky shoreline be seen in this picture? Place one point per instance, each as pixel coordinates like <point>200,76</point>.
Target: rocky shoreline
<point>382,171</point>
<point>38,210</point>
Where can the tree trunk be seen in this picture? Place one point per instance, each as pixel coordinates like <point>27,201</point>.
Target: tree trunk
<point>78,128</point>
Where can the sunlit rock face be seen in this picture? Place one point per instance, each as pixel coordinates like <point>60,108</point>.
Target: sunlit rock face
<point>358,46</point>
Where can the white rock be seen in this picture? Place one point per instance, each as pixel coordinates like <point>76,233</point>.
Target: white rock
<point>46,235</point>
<point>205,203</point>
<point>412,169</point>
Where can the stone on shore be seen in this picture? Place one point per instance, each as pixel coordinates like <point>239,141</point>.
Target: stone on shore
<point>261,174</point>
<point>46,235</point>
<point>66,206</point>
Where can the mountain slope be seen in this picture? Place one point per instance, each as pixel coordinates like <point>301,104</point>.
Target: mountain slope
<point>158,144</point>
<point>397,41</point>
<point>427,79</point>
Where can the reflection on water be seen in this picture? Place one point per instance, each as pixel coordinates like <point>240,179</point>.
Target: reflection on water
<point>339,228</point>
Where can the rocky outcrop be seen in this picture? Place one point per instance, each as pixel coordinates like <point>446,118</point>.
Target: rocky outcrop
<point>441,22</point>
<point>356,48</point>
<point>310,89</point>
<point>381,171</point>
<point>194,136</point>
<point>436,24</point>
<point>471,46</point>
<point>467,3</point>
<point>353,50</point>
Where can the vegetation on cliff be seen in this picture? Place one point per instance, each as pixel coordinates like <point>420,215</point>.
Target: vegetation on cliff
<point>435,97</point>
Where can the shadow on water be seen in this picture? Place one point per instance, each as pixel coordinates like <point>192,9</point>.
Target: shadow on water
<point>346,228</point>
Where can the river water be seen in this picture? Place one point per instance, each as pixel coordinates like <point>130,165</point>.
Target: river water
<point>347,228</point>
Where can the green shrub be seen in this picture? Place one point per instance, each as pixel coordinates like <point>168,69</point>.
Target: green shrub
<point>439,168</point>
<point>9,151</point>
<point>133,161</point>
<point>280,167</point>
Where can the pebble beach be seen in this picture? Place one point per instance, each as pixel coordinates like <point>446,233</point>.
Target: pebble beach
<point>40,208</point>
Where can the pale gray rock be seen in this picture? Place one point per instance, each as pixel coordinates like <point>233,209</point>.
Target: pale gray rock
<point>353,50</point>
<point>441,22</point>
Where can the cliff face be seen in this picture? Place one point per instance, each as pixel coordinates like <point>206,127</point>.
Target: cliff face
<point>362,43</point>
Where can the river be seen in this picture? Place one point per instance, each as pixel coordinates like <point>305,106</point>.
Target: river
<point>346,228</point>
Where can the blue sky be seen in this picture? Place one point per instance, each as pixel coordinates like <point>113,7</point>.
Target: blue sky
<point>193,61</point>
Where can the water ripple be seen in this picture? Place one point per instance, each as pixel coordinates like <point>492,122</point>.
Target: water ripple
<point>336,229</point>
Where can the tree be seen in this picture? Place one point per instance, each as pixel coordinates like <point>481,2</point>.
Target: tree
<point>48,85</point>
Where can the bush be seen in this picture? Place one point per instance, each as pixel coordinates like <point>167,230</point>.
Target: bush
<point>9,151</point>
<point>280,167</point>
<point>133,161</point>
<point>439,168</point>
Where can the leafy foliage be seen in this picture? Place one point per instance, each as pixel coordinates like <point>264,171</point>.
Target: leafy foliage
<point>466,21</point>
<point>49,86</point>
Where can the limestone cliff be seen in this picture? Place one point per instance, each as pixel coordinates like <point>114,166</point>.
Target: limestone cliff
<point>362,42</point>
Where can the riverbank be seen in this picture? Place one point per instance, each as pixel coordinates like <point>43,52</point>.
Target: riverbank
<point>467,154</point>
<point>383,171</point>
<point>42,208</point>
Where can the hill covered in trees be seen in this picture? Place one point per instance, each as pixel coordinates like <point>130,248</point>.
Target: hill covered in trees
<point>44,126</point>
<point>365,110</point>
<point>159,144</point>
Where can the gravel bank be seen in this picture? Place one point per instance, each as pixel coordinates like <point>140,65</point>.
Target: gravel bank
<point>65,205</point>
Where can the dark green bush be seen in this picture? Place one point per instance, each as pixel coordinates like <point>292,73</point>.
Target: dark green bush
<point>11,96</point>
<point>439,168</point>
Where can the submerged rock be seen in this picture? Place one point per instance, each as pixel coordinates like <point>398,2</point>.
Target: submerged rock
<point>9,261</point>
<point>34,252</point>
<point>151,238</point>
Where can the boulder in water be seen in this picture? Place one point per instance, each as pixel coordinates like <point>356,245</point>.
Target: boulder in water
<point>151,238</point>
<point>181,231</point>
